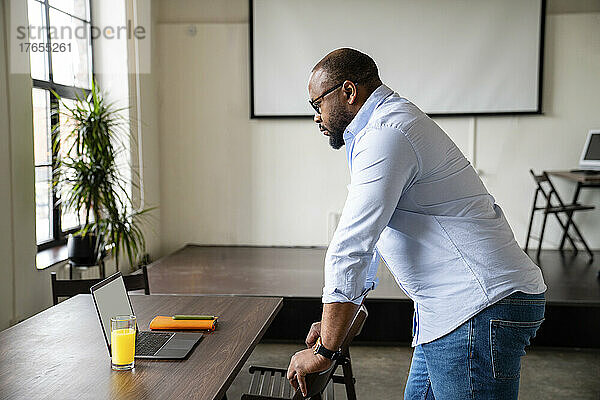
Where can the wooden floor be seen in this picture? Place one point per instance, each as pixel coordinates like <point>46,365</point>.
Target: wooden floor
<point>298,272</point>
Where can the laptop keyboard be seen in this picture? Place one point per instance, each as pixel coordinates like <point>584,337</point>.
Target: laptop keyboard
<point>148,343</point>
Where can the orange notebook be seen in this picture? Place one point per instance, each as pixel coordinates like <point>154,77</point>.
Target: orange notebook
<point>162,322</point>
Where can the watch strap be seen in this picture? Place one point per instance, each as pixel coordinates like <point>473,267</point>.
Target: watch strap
<point>325,352</point>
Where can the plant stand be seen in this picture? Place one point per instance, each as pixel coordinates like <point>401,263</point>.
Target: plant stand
<point>100,266</point>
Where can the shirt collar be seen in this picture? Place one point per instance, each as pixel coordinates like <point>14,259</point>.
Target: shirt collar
<point>364,114</point>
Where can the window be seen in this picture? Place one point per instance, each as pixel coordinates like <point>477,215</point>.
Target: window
<point>61,61</point>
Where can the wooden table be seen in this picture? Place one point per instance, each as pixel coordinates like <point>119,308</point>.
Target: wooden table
<point>582,179</point>
<point>60,353</point>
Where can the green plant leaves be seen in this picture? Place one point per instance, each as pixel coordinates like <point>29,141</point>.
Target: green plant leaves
<point>87,175</point>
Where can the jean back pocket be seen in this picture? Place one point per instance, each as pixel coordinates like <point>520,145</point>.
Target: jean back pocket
<point>508,340</point>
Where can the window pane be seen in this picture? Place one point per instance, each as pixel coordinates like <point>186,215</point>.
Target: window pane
<point>66,128</point>
<point>68,218</point>
<point>62,67</point>
<point>69,221</point>
<point>71,67</point>
<point>81,57</point>
<point>38,36</point>
<point>78,8</point>
<point>43,204</point>
<point>41,126</point>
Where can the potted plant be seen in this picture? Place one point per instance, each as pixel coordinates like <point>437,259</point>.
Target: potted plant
<point>89,180</point>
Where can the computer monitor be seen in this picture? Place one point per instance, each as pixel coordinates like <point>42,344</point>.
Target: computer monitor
<point>590,156</point>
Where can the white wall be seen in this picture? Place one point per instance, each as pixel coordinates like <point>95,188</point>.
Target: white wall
<point>148,122</point>
<point>226,179</point>
<point>29,287</point>
<point>6,224</point>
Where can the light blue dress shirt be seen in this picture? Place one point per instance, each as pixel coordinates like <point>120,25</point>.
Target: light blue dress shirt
<point>416,201</point>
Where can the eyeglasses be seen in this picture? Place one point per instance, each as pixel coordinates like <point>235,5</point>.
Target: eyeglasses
<point>317,107</point>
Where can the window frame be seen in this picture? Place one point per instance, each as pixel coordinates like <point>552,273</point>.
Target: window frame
<point>59,238</point>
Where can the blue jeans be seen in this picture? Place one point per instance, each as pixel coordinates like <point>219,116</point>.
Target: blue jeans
<point>481,359</point>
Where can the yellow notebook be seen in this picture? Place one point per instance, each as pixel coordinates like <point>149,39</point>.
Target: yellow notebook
<point>163,322</point>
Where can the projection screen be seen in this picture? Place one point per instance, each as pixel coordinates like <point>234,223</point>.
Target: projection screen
<point>459,57</point>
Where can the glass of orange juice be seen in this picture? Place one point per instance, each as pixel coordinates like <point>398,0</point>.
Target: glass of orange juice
<point>122,341</point>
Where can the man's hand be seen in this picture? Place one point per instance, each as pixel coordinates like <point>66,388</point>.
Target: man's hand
<point>313,334</point>
<point>305,362</point>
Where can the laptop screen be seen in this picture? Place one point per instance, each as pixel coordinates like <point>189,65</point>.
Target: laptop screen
<point>593,150</point>
<point>111,300</point>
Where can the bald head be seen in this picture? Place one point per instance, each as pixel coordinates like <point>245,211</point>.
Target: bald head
<point>338,87</point>
<point>348,64</point>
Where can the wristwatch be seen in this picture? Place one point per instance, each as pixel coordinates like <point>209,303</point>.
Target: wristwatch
<point>318,348</point>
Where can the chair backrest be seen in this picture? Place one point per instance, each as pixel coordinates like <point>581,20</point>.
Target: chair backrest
<point>547,193</point>
<point>69,288</point>
<point>355,327</point>
<point>317,382</point>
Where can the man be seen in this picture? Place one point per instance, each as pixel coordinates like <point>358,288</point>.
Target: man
<point>415,200</point>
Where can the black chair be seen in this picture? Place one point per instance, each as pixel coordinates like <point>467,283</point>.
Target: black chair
<point>556,208</point>
<point>270,383</point>
<point>69,287</point>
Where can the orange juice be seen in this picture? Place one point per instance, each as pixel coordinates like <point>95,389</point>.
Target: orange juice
<point>122,346</point>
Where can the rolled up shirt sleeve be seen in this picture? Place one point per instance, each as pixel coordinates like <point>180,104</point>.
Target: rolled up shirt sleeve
<point>383,165</point>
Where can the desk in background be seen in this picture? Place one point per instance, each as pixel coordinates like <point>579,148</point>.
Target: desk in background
<point>60,353</point>
<point>583,181</point>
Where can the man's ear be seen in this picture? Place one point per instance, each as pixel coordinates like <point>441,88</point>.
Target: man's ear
<point>350,91</point>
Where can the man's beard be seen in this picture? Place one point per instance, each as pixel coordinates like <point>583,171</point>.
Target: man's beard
<point>336,140</point>
<point>337,126</point>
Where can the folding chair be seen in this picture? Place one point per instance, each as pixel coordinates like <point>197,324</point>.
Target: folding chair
<point>552,208</point>
<point>272,384</point>
<point>70,287</point>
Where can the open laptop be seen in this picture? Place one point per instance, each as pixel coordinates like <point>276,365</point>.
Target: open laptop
<point>589,163</point>
<point>111,299</point>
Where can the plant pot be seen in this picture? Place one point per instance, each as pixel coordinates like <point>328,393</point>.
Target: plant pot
<point>81,249</point>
